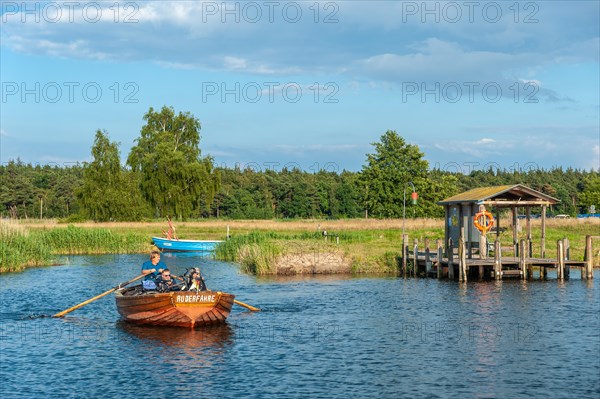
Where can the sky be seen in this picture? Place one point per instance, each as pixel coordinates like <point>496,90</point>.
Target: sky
<point>307,84</point>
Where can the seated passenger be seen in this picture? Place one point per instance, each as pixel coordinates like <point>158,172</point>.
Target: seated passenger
<point>196,282</point>
<point>165,283</point>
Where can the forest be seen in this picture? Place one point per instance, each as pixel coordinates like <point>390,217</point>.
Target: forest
<point>186,185</point>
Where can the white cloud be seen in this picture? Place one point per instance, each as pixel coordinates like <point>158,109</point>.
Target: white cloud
<point>366,42</point>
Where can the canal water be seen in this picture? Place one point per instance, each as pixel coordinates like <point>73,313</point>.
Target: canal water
<point>334,336</point>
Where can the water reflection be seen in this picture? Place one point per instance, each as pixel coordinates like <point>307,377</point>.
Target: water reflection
<point>216,336</point>
<point>316,336</point>
<point>302,278</point>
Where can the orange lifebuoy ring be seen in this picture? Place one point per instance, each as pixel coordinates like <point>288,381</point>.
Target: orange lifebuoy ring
<point>483,221</point>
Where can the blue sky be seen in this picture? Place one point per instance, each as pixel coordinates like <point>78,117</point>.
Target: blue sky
<point>308,84</point>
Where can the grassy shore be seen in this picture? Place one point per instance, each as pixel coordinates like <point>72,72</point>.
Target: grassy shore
<point>22,245</point>
<point>264,246</point>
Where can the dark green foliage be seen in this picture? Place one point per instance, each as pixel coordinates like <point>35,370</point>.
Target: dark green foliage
<point>386,176</point>
<point>175,179</point>
<point>188,186</point>
<point>24,186</point>
<point>108,192</point>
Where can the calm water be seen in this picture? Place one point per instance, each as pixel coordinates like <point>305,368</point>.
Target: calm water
<point>317,337</point>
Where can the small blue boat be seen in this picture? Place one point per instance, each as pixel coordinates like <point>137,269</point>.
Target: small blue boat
<point>165,244</point>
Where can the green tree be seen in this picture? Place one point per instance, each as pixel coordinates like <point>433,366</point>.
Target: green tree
<point>388,172</point>
<point>107,192</point>
<point>591,192</point>
<point>175,179</point>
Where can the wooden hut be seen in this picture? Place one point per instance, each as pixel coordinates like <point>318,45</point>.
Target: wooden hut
<point>461,208</point>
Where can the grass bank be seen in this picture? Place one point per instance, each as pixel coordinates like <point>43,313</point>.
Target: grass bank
<point>271,246</point>
<point>22,247</point>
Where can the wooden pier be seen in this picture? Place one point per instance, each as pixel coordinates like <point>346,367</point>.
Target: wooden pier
<point>467,251</point>
<point>452,262</point>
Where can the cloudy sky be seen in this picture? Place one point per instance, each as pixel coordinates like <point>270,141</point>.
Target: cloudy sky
<point>308,84</point>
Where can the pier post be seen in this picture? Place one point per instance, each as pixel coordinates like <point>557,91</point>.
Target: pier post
<point>440,256</point>
<point>497,261</point>
<point>543,273</point>
<point>514,231</point>
<point>543,243</point>
<point>587,272</point>
<point>567,249</point>
<point>450,253</point>
<point>522,262</point>
<point>560,255</point>
<point>427,257</point>
<point>416,258</point>
<point>529,239</point>
<point>404,253</point>
<point>462,257</point>
<point>482,246</point>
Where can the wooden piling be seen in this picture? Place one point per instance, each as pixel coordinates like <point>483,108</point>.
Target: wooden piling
<point>440,256</point>
<point>560,255</point>
<point>462,257</point>
<point>514,231</point>
<point>416,258</point>
<point>587,272</point>
<point>522,263</point>
<point>567,253</point>
<point>543,238</point>
<point>497,261</point>
<point>543,272</point>
<point>482,246</point>
<point>469,233</point>
<point>404,253</point>
<point>427,257</point>
<point>450,254</point>
<point>529,237</point>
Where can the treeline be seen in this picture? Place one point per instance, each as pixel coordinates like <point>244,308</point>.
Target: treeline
<point>248,194</point>
<point>166,175</point>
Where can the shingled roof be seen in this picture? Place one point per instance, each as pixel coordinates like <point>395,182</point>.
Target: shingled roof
<point>511,195</point>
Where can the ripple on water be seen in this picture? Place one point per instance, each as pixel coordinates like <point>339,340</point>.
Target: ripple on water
<point>332,336</point>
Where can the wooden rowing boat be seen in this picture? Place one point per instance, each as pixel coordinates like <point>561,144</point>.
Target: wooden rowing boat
<point>177,308</point>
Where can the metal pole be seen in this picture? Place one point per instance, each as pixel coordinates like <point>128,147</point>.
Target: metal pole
<point>403,211</point>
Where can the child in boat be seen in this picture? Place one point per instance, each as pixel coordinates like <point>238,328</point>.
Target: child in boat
<point>196,282</point>
<point>165,283</point>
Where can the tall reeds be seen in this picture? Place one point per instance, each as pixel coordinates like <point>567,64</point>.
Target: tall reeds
<point>255,252</point>
<point>20,248</point>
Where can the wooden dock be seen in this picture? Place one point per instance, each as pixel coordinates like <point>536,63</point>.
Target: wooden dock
<point>452,262</point>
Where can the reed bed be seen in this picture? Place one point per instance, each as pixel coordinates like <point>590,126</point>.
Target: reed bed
<point>77,240</point>
<point>255,252</point>
<point>21,248</point>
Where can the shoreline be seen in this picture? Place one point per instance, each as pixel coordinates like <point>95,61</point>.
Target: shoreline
<point>299,246</point>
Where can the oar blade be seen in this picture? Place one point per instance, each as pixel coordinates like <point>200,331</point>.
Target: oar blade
<point>249,307</point>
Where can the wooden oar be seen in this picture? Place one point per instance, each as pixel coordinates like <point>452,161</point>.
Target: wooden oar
<point>249,307</point>
<point>64,312</point>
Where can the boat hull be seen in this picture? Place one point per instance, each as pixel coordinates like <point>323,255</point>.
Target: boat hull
<point>185,245</point>
<point>179,308</point>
